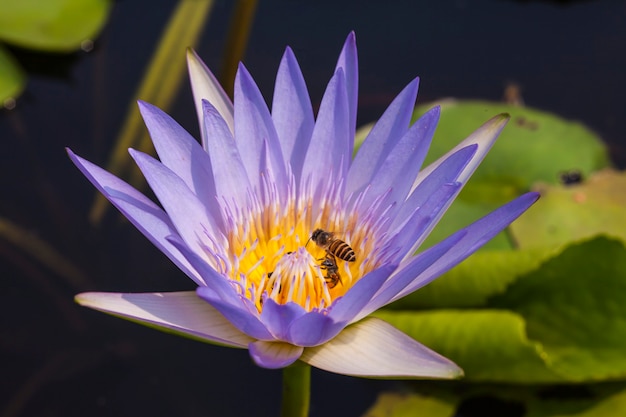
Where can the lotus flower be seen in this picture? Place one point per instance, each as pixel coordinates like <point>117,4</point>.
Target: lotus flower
<point>238,212</point>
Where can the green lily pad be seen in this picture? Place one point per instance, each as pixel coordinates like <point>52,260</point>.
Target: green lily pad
<point>569,213</point>
<point>12,78</point>
<point>446,399</point>
<point>52,25</point>
<point>564,321</point>
<point>490,345</point>
<point>534,146</point>
<point>471,283</point>
<point>407,405</point>
<point>575,306</point>
<point>608,406</point>
<point>461,214</point>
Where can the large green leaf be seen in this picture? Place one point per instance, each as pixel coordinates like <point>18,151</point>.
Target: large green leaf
<point>605,406</point>
<point>563,321</point>
<point>461,214</point>
<point>490,345</point>
<point>12,78</point>
<point>471,283</point>
<point>55,25</point>
<point>410,405</point>
<point>575,305</point>
<point>568,213</point>
<point>534,146</point>
<point>501,400</point>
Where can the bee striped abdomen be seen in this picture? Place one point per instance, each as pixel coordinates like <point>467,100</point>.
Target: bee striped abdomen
<point>332,245</point>
<point>342,250</point>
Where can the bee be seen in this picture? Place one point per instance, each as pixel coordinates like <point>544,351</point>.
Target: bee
<point>333,245</point>
<point>329,263</point>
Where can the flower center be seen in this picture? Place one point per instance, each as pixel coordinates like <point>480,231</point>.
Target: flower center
<point>271,253</point>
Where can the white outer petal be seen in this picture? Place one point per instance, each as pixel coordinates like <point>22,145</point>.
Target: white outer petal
<point>484,137</point>
<point>374,348</point>
<point>177,312</point>
<point>205,86</point>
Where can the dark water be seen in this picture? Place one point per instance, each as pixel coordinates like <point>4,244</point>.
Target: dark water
<point>62,360</point>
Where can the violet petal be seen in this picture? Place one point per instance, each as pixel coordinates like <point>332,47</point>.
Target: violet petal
<point>274,355</point>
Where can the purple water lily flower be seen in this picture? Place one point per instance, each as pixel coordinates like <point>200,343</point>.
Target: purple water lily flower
<point>238,213</point>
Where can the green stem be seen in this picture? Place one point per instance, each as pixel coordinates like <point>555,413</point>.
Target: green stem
<point>236,42</point>
<point>296,390</point>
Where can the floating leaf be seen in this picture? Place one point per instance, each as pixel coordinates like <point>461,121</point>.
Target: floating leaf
<point>12,78</point>
<point>471,283</point>
<point>534,146</point>
<point>410,405</point>
<point>564,321</point>
<point>569,213</point>
<point>605,406</point>
<point>54,25</point>
<point>462,213</point>
<point>575,306</point>
<point>490,345</point>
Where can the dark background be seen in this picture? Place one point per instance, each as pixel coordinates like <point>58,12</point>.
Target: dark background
<point>59,359</point>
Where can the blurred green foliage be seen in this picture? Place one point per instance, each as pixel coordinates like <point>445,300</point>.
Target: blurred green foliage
<point>12,78</point>
<point>45,25</point>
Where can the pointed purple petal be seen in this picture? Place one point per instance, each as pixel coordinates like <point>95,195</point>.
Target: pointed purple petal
<point>383,137</point>
<point>446,172</point>
<point>404,161</point>
<point>191,218</point>
<point>238,316</point>
<point>349,63</point>
<point>292,112</point>
<point>415,230</point>
<point>410,274</point>
<point>329,147</point>
<point>183,313</point>
<point>219,284</point>
<point>481,140</point>
<point>220,293</point>
<point>484,138</point>
<point>180,152</point>
<point>231,179</point>
<point>254,127</point>
<point>146,216</point>
<point>474,236</point>
<point>348,306</point>
<point>274,355</point>
<point>373,348</point>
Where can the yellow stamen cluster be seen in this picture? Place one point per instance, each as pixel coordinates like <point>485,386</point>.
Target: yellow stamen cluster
<point>270,256</point>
